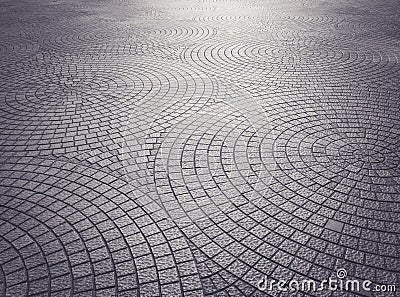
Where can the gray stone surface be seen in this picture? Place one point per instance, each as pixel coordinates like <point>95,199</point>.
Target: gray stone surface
<point>190,147</point>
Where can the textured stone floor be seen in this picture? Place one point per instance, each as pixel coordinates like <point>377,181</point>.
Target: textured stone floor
<point>191,147</point>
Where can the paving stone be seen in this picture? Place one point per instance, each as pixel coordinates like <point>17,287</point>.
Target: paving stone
<point>189,147</point>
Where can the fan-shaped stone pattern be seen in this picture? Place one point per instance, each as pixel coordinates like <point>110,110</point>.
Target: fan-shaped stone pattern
<point>351,155</point>
<point>63,89</point>
<point>14,49</point>
<point>92,36</point>
<point>200,147</point>
<point>290,63</point>
<point>58,236</point>
<point>188,147</point>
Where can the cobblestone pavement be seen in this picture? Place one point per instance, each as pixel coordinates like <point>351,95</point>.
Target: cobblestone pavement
<point>195,147</point>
